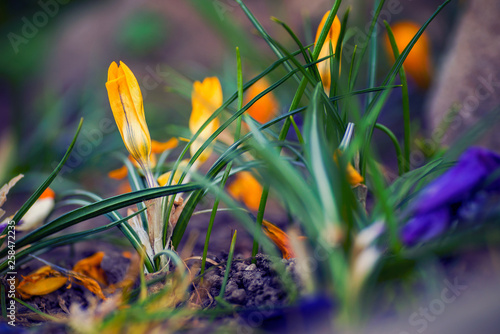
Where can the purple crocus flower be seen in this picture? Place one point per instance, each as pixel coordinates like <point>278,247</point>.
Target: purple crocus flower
<point>437,204</point>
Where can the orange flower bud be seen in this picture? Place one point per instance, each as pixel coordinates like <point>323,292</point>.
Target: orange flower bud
<point>126,103</point>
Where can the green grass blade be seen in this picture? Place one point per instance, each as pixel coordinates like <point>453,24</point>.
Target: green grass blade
<point>228,265</point>
<point>319,162</point>
<point>68,239</point>
<point>382,195</point>
<point>326,28</point>
<point>96,209</point>
<point>363,48</point>
<point>239,82</point>
<point>372,62</point>
<point>405,100</point>
<point>136,183</point>
<point>395,142</point>
<point>27,205</point>
<point>295,39</point>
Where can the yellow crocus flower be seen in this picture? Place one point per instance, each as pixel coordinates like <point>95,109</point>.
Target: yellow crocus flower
<point>418,64</point>
<point>126,103</point>
<point>331,39</point>
<point>206,98</point>
<point>265,108</point>
<point>246,188</point>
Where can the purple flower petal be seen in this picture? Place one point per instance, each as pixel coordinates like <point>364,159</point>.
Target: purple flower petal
<point>460,181</point>
<point>425,226</point>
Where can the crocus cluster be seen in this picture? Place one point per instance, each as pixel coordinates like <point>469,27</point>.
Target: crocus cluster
<point>444,200</point>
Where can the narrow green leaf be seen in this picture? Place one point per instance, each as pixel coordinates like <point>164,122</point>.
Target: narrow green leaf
<point>27,205</point>
<point>228,265</point>
<point>96,209</point>
<point>406,102</point>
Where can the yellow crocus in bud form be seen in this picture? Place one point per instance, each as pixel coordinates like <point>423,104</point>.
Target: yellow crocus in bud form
<point>126,103</point>
<point>418,63</point>
<point>331,39</point>
<point>206,98</point>
<point>265,108</point>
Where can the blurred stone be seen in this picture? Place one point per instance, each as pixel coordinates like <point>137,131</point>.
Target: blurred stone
<point>469,79</point>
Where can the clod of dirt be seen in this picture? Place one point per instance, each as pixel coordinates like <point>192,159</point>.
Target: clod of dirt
<point>250,284</point>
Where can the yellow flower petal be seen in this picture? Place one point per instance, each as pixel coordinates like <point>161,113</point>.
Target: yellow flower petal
<point>126,103</point>
<point>353,176</point>
<point>91,267</point>
<point>331,39</point>
<point>163,179</point>
<point>41,282</point>
<point>206,98</point>
<point>280,239</point>
<point>266,107</point>
<point>119,173</point>
<point>247,189</point>
<point>418,63</point>
<point>158,147</point>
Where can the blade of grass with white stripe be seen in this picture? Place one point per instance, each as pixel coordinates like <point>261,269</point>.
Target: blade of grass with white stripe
<point>320,164</point>
<point>136,183</point>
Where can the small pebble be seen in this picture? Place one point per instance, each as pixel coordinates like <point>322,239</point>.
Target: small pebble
<point>251,267</point>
